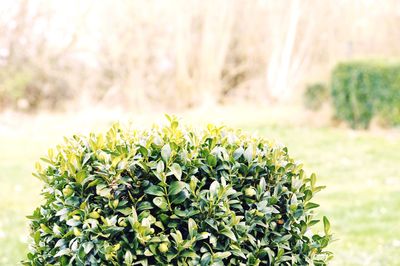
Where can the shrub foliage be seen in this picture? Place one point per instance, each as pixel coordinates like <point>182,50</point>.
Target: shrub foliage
<point>315,95</point>
<point>364,89</point>
<point>172,195</point>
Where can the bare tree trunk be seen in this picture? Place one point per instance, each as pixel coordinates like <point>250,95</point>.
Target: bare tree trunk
<point>218,20</point>
<point>278,72</point>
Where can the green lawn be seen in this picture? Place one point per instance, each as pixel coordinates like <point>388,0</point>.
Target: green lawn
<point>360,170</point>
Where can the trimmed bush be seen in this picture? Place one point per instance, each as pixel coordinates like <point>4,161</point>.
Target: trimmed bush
<point>364,89</point>
<point>172,195</point>
<point>315,95</point>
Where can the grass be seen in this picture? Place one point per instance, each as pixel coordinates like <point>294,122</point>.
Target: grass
<point>360,170</point>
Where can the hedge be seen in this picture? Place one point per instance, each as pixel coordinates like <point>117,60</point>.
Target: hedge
<point>362,90</point>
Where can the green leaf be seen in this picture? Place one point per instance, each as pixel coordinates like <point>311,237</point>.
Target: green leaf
<point>293,200</point>
<point>38,167</point>
<point>87,247</point>
<point>166,152</point>
<point>155,191</point>
<point>221,255</point>
<point>270,254</point>
<point>63,252</point>
<point>263,184</point>
<point>73,222</point>
<point>311,205</point>
<point>312,222</point>
<point>284,238</point>
<point>161,203</point>
<point>313,180</point>
<point>86,158</point>
<point>128,258</point>
<point>319,188</point>
<point>80,176</point>
<point>143,150</point>
<point>211,160</point>
<point>205,259</point>
<point>192,227</point>
<point>280,253</point>
<point>176,170</point>
<point>174,124</point>
<point>103,190</point>
<point>36,237</point>
<point>327,225</point>
<point>229,233</point>
<point>177,236</point>
<point>248,153</point>
<point>148,253</point>
<point>134,215</point>
<point>193,184</point>
<point>160,166</point>
<point>238,252</point>
<point>202,235</point>
<point>181,197</point>
<point>144,205</point>
<point>175,187</point>
<point>189,254</point>
<point>214,187</point>
<point>237,153</point>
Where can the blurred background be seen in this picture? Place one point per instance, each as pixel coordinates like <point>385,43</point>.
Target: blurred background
<point>320,76</point>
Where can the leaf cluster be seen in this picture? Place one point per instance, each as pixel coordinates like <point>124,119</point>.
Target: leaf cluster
<point>172,195</point>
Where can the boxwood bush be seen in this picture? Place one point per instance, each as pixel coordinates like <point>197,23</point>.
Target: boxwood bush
<point>364,89</point>
<point>172,195</point>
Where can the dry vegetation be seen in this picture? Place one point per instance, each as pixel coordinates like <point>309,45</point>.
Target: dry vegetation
<point>57,54</point>
<point>181,53</point>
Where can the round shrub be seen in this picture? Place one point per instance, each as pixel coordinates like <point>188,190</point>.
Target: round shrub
<point>172,195</point>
